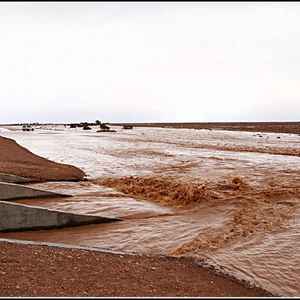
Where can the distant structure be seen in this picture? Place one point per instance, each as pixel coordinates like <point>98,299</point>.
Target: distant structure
<point>105,128</point>
<point>86,126</point>
<point>127,127</point>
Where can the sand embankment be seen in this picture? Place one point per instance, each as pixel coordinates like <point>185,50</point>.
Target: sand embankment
<point>17,160</point>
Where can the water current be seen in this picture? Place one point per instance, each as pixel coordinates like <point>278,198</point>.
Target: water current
<point>230,197</point>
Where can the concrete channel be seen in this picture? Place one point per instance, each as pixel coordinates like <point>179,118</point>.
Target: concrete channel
<point>16,179</point>
<point>19,217</point>
<point>13,191</point>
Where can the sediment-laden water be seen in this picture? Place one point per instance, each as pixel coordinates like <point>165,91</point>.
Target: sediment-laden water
<point>231,197</point>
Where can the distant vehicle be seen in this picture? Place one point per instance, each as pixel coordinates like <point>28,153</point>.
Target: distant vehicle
<point>27,128</point>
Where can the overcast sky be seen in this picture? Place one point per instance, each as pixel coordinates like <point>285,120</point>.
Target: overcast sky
<point>64,62</point>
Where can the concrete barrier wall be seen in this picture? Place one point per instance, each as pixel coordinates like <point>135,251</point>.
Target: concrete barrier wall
<point>18,217</point>
<point>11,191</point>
<point>15,179</point>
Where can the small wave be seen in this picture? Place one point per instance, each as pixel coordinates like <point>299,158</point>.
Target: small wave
<point>163,190</point>
<point>245,222</point>
<point>238,183</point>
<point>173,191</point>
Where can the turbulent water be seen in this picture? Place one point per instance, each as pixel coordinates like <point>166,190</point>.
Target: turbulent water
<point>231,197</point>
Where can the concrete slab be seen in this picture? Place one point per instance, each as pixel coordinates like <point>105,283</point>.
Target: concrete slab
<point>15,179</point>
<point>19,217</point>
<point>12,191</point>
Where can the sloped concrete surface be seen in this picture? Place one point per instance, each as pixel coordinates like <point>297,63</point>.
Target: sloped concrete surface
<point>18,217</point>
<point>11,191</point>
<point>15,179</point>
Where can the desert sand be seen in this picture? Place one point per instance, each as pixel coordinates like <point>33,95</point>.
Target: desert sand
<point>276,127</point>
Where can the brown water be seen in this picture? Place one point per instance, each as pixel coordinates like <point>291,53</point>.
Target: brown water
<point>221,195</point>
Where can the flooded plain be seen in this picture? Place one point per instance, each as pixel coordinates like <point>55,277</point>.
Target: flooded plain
<point>230,197</point>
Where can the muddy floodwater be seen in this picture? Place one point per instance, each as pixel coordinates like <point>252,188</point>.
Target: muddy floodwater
<point>230,197</point>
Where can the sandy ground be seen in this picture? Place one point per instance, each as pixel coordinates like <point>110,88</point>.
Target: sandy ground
<point>32,270</point>
<point>16,160</point>
<point>277,127</point>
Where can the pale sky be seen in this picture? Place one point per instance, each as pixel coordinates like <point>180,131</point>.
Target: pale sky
<point>63,62</point>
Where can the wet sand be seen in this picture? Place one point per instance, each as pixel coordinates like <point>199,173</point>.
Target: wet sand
<point>47,271</point>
